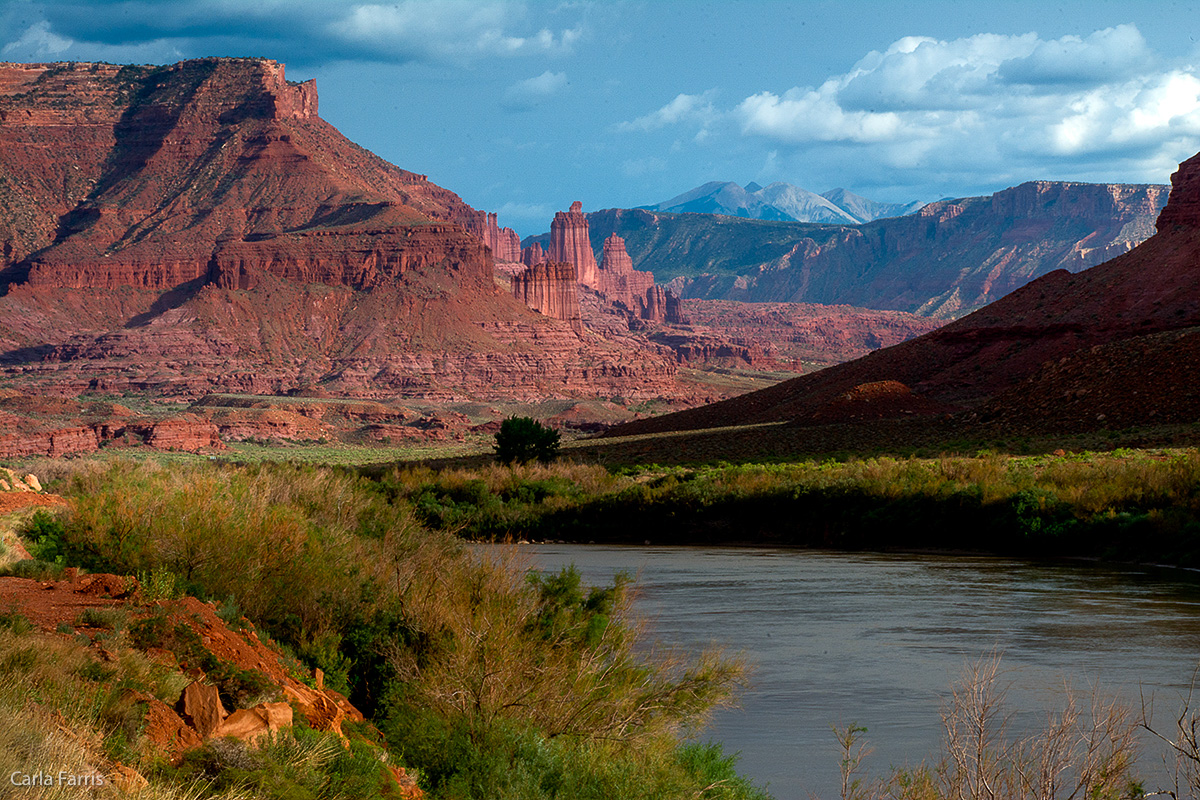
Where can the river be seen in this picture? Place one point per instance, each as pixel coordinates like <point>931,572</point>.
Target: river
<point>877,640</point>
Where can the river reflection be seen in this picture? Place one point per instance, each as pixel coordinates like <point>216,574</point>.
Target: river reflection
<point>878,639</point>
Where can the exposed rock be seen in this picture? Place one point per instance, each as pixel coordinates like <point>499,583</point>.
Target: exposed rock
<point>1183,210</point>
<point>251,724</point>
<point>551,288</point>
<point>184,432</point>
<point>663,305</point>
<point>951,257</point>
<point>32,482</point>
<point>533,255</point>
<point>1122,329</point>
<point>617,280</point>
<point>167,730</point>
<point>316,263</point>
<point>569,243</point>
<point>504,242</point>
<point>200,707</point>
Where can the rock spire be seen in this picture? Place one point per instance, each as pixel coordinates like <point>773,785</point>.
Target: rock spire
<point>569,244</point>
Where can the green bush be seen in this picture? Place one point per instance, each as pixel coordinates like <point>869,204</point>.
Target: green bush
<point>524,439</point>
<point>45,535</point>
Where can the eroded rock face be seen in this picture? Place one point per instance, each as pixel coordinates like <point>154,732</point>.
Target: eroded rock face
<point>1074,350</point>
<point>504,242</point>
<point>533,255</point>
<point>949,258</point>
<point>551,288</point>
<point>1183,209</point>
<point>619,281</point>
<point>178,230</point>
<point>569,244</point>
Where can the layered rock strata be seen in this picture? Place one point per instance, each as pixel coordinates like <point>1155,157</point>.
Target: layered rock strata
<point>552,289</point>
<point>504,242</point>
<point>198,227</point>
<point>569,243</point>
<point>1067,352</point>
<point>951,257</point>
<point>533,255</point>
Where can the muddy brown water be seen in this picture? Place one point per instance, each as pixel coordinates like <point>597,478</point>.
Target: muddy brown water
<point>878,640</point>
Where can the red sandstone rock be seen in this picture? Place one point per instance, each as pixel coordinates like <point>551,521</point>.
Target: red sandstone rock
<point>532,256</point>
<point>1183,209</point>
<point>569,244</point>
<point>504,242</point>
<point>200,707</point>
<point>184,432</point>
<point>240,243</point>
<point>550,288</point>
<point>1131,317</point>
<point>617,280</point>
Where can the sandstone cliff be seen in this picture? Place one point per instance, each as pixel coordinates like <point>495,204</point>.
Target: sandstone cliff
<point>198,226</point>
<point>618,280</point>
<point>1112,344</point>
<point>569,243</point>
<point>949,258</point>
<point>551,288</point>
<point>533,255</point>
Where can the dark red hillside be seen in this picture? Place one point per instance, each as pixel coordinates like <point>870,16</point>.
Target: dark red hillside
<point>1152,291</point>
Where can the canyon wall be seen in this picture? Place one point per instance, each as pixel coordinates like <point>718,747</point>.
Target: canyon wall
<point>552,289</point>
<point>945,260</point>
<point>175,230</point>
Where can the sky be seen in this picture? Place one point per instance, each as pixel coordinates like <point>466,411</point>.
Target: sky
<point>523,107</point>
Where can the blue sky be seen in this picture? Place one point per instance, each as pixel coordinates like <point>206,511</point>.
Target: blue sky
<point>522,108</point>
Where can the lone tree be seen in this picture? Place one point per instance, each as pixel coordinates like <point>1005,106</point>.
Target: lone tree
<point>523,439</point>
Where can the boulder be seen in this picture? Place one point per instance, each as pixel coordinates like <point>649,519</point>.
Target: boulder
<point>200,706</point>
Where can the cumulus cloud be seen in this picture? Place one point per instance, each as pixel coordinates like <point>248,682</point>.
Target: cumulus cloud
<point>987,102</point>
<point>446,29</point>
<point>684,108</point>
<point>532,91</point>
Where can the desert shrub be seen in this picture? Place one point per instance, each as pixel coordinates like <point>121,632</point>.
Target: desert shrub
<point>107,618</point>
<point>524,439</point>
<point>45,534</point>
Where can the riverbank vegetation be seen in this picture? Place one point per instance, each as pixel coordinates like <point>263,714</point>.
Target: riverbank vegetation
<point>490,682</point>
<point>1122,505</point>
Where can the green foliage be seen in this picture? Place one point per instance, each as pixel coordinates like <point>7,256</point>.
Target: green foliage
<point>523,439</point>
<point>45,534</point>
<point>13,621</point>
<point>159,583</point>
<point>448,649</point>
<point>107,618</point>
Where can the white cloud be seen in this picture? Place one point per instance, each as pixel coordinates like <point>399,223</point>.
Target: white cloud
<point>636,167</point>
<point>986,103</point>
<point>532,91</point>
<point>38,42</point>
<point>684,108</point>
<point>455,30</point>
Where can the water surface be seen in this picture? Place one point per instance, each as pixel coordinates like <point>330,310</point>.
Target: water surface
<point>877,640</point>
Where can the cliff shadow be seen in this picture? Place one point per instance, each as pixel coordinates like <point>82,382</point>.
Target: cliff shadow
<point>153,113</point>
<point>172,298</point>
<point>33,354</point>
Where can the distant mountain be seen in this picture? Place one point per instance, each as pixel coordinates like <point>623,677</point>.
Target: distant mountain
<point>781,201</point>
<point>949,258</point>
<point>1111,347</point>
<point>868,210</point>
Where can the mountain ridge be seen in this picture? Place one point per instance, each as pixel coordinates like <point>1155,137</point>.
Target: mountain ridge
<point>1035,358</point>
<point>782,202</point>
